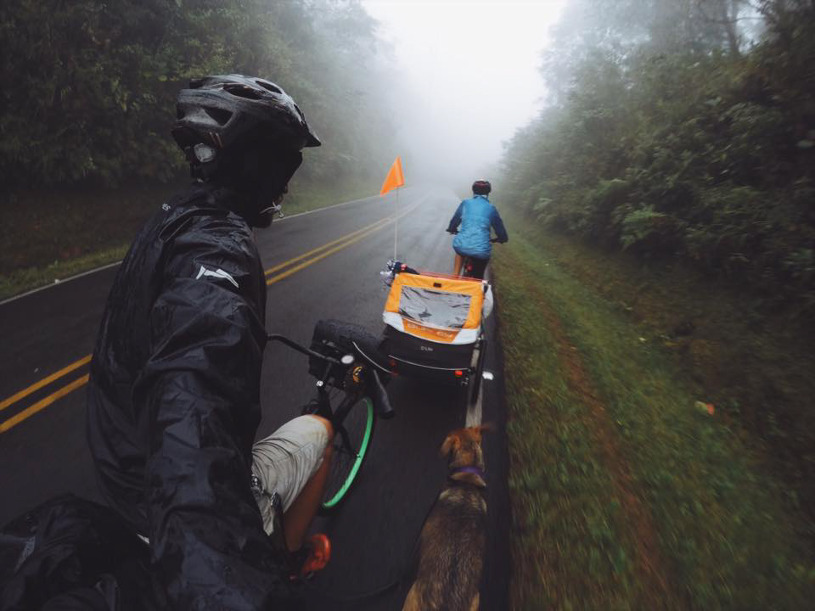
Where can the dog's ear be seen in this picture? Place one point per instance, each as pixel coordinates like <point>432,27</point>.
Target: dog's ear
<point>475,432</point>
<point>451,443</point>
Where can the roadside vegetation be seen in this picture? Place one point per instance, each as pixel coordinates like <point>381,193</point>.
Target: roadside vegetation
<point>96,100</point>
<point>657,308</point>
<point>630,488</point>
<point>86,152</point>
<point>48,236</point>
<point>681,129</point>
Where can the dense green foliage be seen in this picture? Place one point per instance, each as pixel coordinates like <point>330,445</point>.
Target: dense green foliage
<point>89,86</point>
<point>674,129</point>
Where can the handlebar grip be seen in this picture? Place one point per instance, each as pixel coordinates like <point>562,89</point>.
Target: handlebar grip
<point>379,396</point>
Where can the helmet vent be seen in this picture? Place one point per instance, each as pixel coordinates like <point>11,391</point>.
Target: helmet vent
<point>270,87</point>
<point>243,91</point>
<point>219,114</point>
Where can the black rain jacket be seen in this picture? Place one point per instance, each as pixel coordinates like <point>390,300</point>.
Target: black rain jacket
<point>173,404</point>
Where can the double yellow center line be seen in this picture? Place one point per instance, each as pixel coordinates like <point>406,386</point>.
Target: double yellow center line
<point>45,402</point>
<point>321,252</point>
<point>273,274</point>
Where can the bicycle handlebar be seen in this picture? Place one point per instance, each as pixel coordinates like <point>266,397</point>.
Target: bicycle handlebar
<point>344,338</point>
<point>274,337</point>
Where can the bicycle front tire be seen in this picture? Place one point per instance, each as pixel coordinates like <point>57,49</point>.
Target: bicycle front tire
<point>349,454</point>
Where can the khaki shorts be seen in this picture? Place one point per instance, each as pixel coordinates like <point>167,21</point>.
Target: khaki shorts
<point>285,461</point>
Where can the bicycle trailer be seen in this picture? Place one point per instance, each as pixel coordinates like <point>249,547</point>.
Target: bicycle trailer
<point>434,326</point>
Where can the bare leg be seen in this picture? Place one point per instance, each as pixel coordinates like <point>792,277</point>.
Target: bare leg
<point>302,511</point>
<point>457,265</point>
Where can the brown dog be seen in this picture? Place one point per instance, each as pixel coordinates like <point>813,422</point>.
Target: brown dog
<point>451,544</point>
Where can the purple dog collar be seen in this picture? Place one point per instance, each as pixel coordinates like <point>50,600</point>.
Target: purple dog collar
<point>473,470</point>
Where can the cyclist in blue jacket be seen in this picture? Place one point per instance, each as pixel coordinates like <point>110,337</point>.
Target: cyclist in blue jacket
<point>476,216</point>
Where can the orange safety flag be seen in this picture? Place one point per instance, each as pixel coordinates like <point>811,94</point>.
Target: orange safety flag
<point>395,177</point>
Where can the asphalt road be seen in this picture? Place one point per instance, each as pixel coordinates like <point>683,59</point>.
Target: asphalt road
<point>373,534</point>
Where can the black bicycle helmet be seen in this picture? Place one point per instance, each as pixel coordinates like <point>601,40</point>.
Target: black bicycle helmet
<point>229,111</point>
<point>482,187</point>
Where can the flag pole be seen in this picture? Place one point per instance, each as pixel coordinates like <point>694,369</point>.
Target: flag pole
<point>396,225</point>
<point>394,180</point>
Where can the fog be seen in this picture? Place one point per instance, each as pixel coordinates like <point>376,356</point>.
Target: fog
<point>468,77</point>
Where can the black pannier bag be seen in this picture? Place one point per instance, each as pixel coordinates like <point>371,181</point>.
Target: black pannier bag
<point>70,553</point>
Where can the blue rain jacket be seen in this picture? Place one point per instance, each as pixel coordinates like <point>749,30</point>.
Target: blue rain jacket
<point>476,215</point>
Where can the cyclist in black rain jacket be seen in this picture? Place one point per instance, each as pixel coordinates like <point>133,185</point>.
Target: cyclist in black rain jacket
<point>173,401</point>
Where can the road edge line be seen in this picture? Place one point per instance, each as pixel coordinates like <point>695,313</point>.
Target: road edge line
<point>109,265</point>
<point>58,281</point>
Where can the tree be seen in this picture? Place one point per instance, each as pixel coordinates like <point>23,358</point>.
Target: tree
<point>94,83</point>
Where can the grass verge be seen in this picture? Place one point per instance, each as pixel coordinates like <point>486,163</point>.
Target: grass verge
<point>23,280</point>
<point>625,494</point>
<point>47,236</point>
<point>743,354</point>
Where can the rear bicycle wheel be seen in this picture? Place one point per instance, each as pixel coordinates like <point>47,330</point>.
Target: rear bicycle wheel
<point>467,268</point>
<point>478,374</point>
<point>352,443</point>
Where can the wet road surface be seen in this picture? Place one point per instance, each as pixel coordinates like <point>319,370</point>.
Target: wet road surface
<point>373,533</point>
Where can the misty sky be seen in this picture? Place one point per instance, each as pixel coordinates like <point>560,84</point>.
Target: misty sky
<point>470,73</point>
